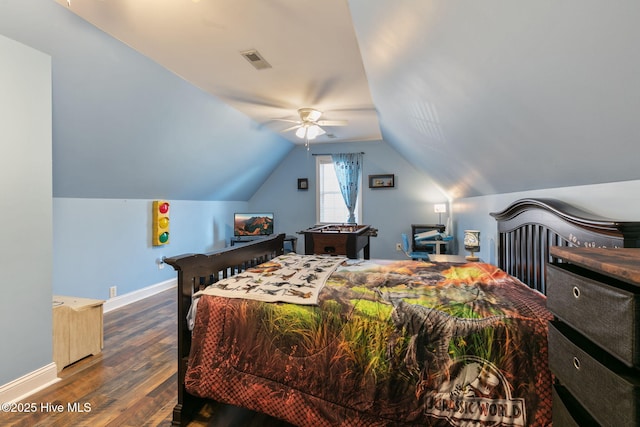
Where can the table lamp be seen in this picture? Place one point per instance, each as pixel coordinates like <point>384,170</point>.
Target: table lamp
<point>440,208</point>
<point>472,244</point>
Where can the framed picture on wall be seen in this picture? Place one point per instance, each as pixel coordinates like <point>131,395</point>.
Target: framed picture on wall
<point>382,181</point>
<point>303,183</point>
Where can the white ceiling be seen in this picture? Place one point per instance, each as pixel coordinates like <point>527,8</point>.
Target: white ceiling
<point>310,45</point>
<point>486,97</point>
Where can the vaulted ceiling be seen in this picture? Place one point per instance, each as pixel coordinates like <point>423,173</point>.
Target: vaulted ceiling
<point>309,48</point>
<point>485,96</point>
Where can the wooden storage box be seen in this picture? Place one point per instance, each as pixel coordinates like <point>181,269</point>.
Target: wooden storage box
<point>77,329</point>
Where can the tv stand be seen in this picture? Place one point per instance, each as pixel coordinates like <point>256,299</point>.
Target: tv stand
<point>293,240</point>
<point>244,239</point>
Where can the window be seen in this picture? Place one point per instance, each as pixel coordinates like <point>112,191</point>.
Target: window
<point>330,206</point>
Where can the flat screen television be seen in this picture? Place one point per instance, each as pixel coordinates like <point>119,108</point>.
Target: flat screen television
<point>252,224</point>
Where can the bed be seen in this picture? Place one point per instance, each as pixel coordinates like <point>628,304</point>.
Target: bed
<point>388,342</point>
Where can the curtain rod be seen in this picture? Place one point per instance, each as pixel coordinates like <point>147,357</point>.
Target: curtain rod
<point>329,154</point>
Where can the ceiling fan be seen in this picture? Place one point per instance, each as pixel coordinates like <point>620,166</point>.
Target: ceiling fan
<point>310,126</point>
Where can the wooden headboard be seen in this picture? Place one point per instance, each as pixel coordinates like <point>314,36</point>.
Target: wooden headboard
<point>529,227</point>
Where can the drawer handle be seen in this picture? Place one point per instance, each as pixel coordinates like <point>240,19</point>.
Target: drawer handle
<point>576,363</point>
<point>576,292</point>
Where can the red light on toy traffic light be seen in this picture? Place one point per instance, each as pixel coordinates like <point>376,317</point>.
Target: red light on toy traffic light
<point>160,223</point>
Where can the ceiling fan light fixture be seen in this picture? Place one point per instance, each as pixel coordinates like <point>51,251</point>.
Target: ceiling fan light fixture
<point>309,131</point>
<point>309,114</point>
<point>309,127</point>
<point>313,131</point>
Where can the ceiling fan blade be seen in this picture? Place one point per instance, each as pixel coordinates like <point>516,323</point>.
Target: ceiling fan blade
<point>331,123</point>
<point>290,128</point>
<point>317,92</point>
<point>286,120</point>
<point>255,100</point>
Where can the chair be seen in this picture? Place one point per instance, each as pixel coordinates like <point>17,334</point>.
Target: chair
<point>424,256</point>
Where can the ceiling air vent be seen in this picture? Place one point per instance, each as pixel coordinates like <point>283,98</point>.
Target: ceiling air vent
<point>255,59</point>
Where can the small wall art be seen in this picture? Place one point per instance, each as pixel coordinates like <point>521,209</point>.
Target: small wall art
<point>303,183</point>
<point>382,181</point>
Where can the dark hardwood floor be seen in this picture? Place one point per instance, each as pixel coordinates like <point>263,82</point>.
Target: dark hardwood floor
<point>131,383</point>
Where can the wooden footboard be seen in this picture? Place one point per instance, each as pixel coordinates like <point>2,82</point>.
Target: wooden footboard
<point>529,227</point>
<point>195,272</point>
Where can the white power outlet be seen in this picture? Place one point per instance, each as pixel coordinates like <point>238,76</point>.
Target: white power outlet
<point>398,246</point>
<point>113,291</point>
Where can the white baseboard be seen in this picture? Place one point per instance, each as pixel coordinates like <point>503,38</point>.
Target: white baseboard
<point>131,297</point>
<point>26,385</point>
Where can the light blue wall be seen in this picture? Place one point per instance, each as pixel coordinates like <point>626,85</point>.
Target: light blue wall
<point>619,201</point>
<point>25,206</point>
<point>99,243</point>
<point>393,210</point>
<point>390,210</point>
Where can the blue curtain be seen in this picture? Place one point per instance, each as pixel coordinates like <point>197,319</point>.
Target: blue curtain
<point>348,168</point>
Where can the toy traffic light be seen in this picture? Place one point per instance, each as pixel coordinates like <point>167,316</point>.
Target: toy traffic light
<point>160,223</point>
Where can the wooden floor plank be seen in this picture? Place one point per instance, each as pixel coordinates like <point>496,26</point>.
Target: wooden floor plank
<point>131,383</point>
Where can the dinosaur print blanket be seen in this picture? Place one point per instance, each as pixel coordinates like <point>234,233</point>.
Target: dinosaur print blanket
<point>292,278</point>
<point>389,343</point>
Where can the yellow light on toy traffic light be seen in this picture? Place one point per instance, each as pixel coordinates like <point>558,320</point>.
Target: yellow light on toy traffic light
<point>160,223</point>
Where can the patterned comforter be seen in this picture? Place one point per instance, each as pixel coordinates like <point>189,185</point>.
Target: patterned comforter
<point>390,343</point>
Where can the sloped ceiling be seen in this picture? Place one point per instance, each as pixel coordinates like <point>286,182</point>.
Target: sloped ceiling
<point>485,96</point>
<point>494,97</point>
<point>310,46</point>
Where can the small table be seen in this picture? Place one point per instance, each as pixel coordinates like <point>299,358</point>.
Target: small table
<point>437,243</point>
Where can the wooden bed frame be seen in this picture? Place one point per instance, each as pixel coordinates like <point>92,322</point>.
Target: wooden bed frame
<point>526,231</point>
<point>529,227</point>
<point>195,272</point>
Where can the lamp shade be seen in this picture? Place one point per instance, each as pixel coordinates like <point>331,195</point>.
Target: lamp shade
<point>472,240</point>
<point>440,208</point>
<point>309,131</point>
<point>312,131</point>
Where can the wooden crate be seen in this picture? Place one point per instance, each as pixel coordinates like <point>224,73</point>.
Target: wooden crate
<point>77,329</point>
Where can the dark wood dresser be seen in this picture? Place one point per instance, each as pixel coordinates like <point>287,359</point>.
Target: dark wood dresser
<point>594,341</point>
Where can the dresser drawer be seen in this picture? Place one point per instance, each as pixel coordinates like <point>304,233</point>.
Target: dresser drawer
<point>567,412</point>
<point>608,315</point>
<point>609,391</point>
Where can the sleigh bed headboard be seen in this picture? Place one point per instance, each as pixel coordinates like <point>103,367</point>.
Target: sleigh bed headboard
<point>529,227</point>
